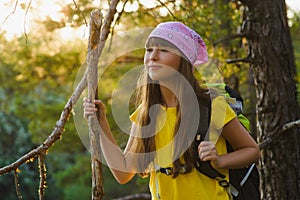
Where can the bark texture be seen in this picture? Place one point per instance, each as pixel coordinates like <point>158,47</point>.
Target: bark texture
<point>92,77</point>
<point>274,71</point>
<point>97,38</point>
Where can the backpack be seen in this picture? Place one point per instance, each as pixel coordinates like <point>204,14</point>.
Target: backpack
<point>243,183</point>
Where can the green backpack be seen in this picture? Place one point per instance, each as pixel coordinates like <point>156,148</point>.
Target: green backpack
<point>243,183</point>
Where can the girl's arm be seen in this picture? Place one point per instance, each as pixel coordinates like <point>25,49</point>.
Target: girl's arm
<point>119,163</point>
<point>246,150</point>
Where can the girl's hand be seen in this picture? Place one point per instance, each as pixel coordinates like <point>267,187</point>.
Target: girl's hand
<point>207,152</point>
<point>90,108</point>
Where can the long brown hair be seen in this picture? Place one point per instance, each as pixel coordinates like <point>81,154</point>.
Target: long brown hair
<point>149,94</point>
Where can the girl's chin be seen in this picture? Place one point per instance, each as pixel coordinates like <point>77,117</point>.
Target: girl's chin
<point>163,74</point>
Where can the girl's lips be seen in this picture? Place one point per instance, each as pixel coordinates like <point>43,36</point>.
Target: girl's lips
<point>154,67</point>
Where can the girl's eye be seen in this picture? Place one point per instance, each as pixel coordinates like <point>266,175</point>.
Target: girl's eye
<point>164,50</point>
<point>149,49</point>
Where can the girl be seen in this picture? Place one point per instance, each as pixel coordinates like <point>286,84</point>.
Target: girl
<point>172,108</point>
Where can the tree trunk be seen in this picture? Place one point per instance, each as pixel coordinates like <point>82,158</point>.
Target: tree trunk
<point>274,71</point>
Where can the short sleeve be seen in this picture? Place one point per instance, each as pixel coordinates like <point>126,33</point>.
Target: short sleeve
<point>221,114</point>
<point>133,116</point>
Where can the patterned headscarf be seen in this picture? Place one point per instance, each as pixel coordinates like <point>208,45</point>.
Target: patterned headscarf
<point>185,39</point>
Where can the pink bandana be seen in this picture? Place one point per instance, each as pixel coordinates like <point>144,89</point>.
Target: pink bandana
<point>185,39</point>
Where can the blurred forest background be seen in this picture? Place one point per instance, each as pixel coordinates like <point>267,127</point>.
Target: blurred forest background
<point>38,69</point>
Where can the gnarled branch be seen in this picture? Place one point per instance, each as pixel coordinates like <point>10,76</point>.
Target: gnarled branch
<point>168,9</point>
<point>237,60</point>
<point>17,184</point>
<point>56,134</point>
<point>11,13</point>
<point>98,36</point>
<point>94,134</point>
<point>285,128</point>
<point>25,19</point>
<point>80,12</point>
<point>43,182</point>
<point>231,37</point>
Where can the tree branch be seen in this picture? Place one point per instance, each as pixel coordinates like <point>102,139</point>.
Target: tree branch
<point>17,184</point>
<point>116,22</point>
<point>25,19</point>
<point>42,169</point>
<point>237,60</point>
<point>80,12</point>
<point>94,134</point>
<point>96,44</point>
<point>55,135</point>
<point>285,128</point>
<point>40,152</point>
<point>231,37</point>
<point>290,125</point>
<point>60,124</point>
<point>171,13</point>
<point>11,13</point>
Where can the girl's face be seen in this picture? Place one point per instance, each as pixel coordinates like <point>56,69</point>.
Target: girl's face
<point>162,62</point>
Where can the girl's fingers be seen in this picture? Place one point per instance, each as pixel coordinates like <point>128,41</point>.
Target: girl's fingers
<point>96,101</point>
<point>205,145</point>
<point>86,102</point>
<point>207,151</point>
<point>85,99</point>
<point>99,102</point>
<point>90,108</point>
<point>89,105</point>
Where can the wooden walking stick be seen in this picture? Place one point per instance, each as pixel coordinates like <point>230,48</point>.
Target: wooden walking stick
<point>92,80</point>
<point>96,43</point>
<point>95,48</point>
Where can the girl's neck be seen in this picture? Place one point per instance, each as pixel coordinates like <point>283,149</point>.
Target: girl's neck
<point>168,96</point>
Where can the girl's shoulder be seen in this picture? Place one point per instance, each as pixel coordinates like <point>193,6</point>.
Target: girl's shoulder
<point>219,102</point>
<point>221,112</point>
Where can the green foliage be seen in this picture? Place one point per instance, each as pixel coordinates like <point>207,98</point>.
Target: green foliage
<point>112,189</point>
<point>15,142</point>
<point>74,176</point>
<point>36,90</point>
<point>294,21</point>
<point>36,80</point>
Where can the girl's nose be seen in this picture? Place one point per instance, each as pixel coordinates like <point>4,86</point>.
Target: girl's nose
<point>154,54</point>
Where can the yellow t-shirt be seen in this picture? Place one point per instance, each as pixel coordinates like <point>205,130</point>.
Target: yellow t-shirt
<point>193,185</point>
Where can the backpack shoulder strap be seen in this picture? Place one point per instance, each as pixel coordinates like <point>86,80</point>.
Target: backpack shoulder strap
<point>208,170</point>
<point>205,167</point>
